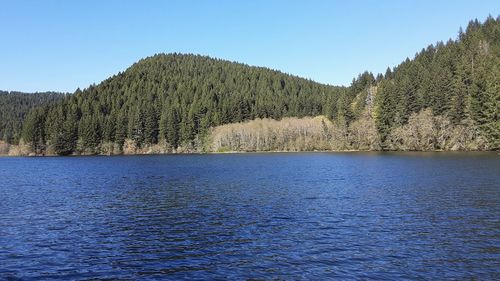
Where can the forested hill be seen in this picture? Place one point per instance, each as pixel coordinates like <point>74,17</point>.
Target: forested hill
<point>175,98</point>
<point>13,108</point>
<point>446,98</point>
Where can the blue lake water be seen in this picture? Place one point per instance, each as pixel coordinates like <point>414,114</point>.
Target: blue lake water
<point>304,216</point>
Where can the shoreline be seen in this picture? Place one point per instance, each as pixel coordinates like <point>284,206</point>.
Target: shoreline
<point>256,152</point>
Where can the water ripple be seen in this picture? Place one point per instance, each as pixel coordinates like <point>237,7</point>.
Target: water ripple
<point>256,216</point>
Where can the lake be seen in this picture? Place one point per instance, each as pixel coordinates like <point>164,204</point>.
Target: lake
<point>285,216</point>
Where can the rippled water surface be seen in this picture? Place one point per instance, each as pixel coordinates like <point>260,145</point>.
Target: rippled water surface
<point>306,216</point>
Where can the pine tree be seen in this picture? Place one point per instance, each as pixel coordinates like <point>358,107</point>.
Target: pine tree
<point>137,128</point>
<point>169,127</point>
<point>90,134</point>
<point>384,110</point>
<point>66,138</point>
<point>121,129</point>
<point>150,126</point>
<point>34,129</point>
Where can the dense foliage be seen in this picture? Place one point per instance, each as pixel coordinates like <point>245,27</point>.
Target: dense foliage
<point>287,134</point>
<point>172,101</point>
<point>459,80</point>
<point>13,108</point>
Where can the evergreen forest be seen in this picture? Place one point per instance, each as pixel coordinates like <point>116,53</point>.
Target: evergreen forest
<point>446,97</point>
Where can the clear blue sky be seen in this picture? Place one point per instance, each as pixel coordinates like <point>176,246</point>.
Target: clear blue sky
<point>62,45</point>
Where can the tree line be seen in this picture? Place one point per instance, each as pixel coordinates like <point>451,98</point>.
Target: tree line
<point>173,101</point>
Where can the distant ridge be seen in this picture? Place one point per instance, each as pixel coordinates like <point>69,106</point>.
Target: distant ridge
<point>13,109</point>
